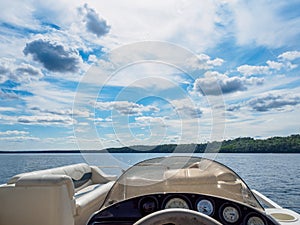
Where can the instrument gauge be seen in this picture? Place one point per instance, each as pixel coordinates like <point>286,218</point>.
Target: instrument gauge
<point>230,214</point>
<point>254,220</point>
<point>205,206</point>
<point>148,205</point>
<point>176,203</point>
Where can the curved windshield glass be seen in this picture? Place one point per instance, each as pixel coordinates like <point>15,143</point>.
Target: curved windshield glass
<point>181,175</point>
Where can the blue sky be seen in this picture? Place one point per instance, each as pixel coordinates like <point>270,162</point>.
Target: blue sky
<point>97,74</point>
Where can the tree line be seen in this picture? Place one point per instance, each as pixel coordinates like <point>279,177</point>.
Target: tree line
<point>290,144</point>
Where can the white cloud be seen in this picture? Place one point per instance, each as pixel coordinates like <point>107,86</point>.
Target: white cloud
<point>148,120</point>
<point>291,55</point>
<point>46,120</point>
<point>203,61</point>
<point>160,20</point>
<point>271,67</point>
<point>19,139</point>
<point>13,132</point>
<point>101,121</point>
<point>125,107</point>
<point>187,108</point>
<point>8,95</point>
<point>269,101</point>
<point>7,109</point>
<point>150,75</point>
<point>18,13</point>
<point>248,70</point>
<point>47,96</point>
<point>93,22</point>
<point>92,59</point>
<point>18,72</point>
<point>275,65</point>
<point>262,23</point>
<point>215,83</point>
<point>61,112</point>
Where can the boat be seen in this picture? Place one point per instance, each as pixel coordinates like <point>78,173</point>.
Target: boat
<point>164,190</point>
<point>187,190</point>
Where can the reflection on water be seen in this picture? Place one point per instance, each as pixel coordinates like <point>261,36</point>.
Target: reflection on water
<point>275,175</point>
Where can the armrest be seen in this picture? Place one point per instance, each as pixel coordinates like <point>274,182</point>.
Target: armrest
<point>99,177</point>
<point>46,180</point>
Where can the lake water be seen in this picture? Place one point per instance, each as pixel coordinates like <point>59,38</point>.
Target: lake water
<point>275,175</point>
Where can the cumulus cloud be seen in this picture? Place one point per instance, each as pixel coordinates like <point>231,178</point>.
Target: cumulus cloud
<point>27,69</point>
<point>21,73</point>
<point>214,83</point>
<point>275,65</point>
<point>248,70</point>
<point>187,108</point>
<point>290,55</point>
<point>25,73</point>
<point>54,57</point>
<point>272,101</point>
<point>93,22</point>
<point>203,61</point>
<point>125,107</point>
<point>269,68</point>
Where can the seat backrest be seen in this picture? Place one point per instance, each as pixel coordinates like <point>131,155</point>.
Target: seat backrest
<point>79,173</point>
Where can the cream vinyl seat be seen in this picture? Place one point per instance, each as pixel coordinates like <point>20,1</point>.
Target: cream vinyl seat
<point>61,196</point>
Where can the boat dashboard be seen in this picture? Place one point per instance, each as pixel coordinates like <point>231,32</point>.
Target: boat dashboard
<point>225,211</point>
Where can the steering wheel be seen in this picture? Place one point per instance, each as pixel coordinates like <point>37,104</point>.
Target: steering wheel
<point>177,217</point>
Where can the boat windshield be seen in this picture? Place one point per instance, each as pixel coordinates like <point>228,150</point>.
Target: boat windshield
<point>181,175</point>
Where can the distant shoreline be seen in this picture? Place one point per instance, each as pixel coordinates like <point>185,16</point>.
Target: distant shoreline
<point>290,144</point>
<point>137,152</point>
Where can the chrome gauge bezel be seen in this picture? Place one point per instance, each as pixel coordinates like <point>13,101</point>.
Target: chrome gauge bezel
<point>173,200</point>
<point>226,207</point>
<point>201,202</point>
<point>256,218</point>
<point>252,216</point>
<point>148,199</point>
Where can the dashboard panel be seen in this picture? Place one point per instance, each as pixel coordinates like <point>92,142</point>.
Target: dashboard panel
<point>223,210</point>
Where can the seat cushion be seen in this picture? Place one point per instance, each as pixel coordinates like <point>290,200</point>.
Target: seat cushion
<point>91,196</point>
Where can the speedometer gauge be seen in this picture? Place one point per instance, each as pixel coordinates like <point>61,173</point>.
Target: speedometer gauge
<point>205,206</point>
<point>230,214</point>
<point>176,203</point>
<point>254,220</point>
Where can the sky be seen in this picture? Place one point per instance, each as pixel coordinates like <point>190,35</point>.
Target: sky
<point>99,74</point>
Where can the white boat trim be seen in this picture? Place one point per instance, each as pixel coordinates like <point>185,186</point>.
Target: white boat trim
<point>265,200</point>
<point>280,214</point>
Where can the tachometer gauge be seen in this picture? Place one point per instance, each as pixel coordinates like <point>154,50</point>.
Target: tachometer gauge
<point>205,206</point>
<point>177,203</point>
<point>230,214</point>
<point>254,220</point>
